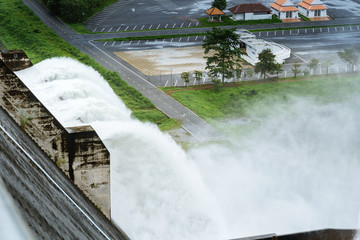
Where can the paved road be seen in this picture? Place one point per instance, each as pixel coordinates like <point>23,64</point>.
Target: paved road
<point>191,122</point>
<point>50,212</point>
<point>196,126</point>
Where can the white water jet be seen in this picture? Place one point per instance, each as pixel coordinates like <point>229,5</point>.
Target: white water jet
<point>298,170</point>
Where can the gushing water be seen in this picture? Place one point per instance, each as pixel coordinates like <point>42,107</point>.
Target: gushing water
<point>297,170</point>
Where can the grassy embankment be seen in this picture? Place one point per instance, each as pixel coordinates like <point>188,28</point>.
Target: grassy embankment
<point>246,98</point>
<point>20,28</point>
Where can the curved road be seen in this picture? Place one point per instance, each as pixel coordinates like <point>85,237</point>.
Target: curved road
<point>200,129</point>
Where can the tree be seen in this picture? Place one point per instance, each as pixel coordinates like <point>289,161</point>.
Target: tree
<point>198,76</point>
<point>237,73</point>
<point>350,56</point>
<point>313,64</point>
<point>296,68</point>
<point>249,72</point>
<point>220,4</point>
<point>224,44</point>
<point>267,63</point>
<point>327,65</point>
<point>278,69</point>
<point>185,77</point>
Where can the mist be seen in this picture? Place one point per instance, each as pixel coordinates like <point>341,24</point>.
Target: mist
<point>295,169</point>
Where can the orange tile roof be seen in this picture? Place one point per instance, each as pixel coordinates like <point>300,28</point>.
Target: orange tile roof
<point>283,9</point>
<point>305,4</point>
<point>280,2</point>
<point>214,11</point>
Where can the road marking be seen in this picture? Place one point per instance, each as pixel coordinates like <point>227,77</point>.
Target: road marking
<point>110,29</point>
<point>104,43</point>
<point>94,29</point>
<point>320,29</point>
<point>335,29</point>
<point>189,24</point>
<point>313,29</point>
<point>118,29</point>
<point>196,38</point>
<point>290,32</point>
<point>275,33</point>
<point>130,42</point>
<point>204,37</point>
<point>102,29</point>
<point>174,25</point>
<point>142,27</point>
<point>167,81</point>
<point>282,32</point>
<point>134,28</point>
<point>158,26</point>
<point>197,24</point>
<point>150,26</point>
<point>350,28</point>
<point>188,39</point>
<point>126,28</point>
<point>343,28</point>
<point>138,42</point>
<point>166,25</point>
<point>179,39</point>
<point>305,30</point>
<point>121,42</point>
<point>298,31</point>
<point>176,84</point>
<point>164,40</point>
<point>54,182</point>
<point>259,34</point>
<point>328,29</point>
<point>147,41</point>
<point>181,25</point>
<point>155,40</point>
<point>267,33</point>
<point>113,43</point>
<point>172,39</point>
<point>358,28</point>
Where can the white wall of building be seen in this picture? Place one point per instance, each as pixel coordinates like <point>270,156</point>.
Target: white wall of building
<point>251,16</point>
<point>311,13</point>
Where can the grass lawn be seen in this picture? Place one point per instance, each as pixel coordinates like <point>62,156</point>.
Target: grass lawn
<point>20,28</point>
<point>240,100</point>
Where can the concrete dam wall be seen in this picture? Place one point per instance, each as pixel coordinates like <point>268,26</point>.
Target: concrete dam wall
<point>77,151</point>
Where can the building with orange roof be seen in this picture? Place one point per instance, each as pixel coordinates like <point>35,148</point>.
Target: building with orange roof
<point>284,9</point>
<point>214,11</point>
<point>312,8</point>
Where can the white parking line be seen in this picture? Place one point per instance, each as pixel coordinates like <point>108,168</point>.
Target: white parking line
<point>188,39</point>
<point>142,27</point>
<point>166,25</point>
<point>110,29</point>
<point>298,31</point>
<point>259,34</point>
<point>197,24</point>
<point>358,28</point>
<point>158,26</point>
<point>118,29</point>
<point>290,32</point>
<point>320,29</point>
<point>94,29</point>
<point>164,40</point>
<point>350,28</point>
<point>335,29</point>
<point>204,37</point>
<point>150,26</point>
<point>113,43</point>
<point>305,30</point>
<point>126,28</point>
<point>134,28</point>
<point>176,82</point>
<point>313,29</point>
<point>282,32</point>
<point>189,24</point>
<point>138,42</point>
<point>196,38</point>
<point>174,25</point>
<point>167,81</point>
<point>343,28</point>
<point>267,33</point>
<point>172,39</point>
<point>155,40</point>
<point>102,29</point>
<point>130,42</point>
<point>328,29</point>
<point>147,41</point>
<point>181,25</point>
<point>179,39</point>
<point>104,43</point>
<point>275,33</point>
<point>121,42</point>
